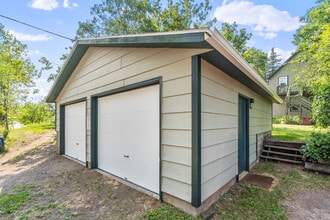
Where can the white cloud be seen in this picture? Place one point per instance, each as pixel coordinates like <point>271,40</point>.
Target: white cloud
<point>67,4</point>
<point>264,19</point>
<point>29,37</point>
<point>47,5</point>
<point>34,53</point>
<point>284,54</point>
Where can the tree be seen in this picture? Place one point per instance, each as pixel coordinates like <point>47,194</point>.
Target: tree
<point>273,62</point>
<point>313,54</point>
<point>16,74</point>
<point>239,38</point>
<point>118,17</point>
<point>31,113</point>
<point>257,59</point>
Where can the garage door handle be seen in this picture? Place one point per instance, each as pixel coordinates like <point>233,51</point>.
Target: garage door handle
<point>127,156</point>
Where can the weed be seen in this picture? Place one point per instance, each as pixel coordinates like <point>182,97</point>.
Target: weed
<point>252,202</point>
<point>266,168</point>
<point>97,183</point>
<point>49,206</point>
<point>167,212</point>
<point>10,203</point>
<point>23,155</point>
<point>249,202</point>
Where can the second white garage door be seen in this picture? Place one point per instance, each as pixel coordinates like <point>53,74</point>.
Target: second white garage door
<point>75,131</point>
<point>128,136</point>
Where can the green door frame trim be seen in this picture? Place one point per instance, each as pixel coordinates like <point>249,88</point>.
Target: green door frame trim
<point>247,102</point>
<point>62,123</point>
<point>94,119</point>
<point>196,178</point>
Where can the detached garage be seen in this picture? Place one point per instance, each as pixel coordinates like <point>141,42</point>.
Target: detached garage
<point>179,115</point>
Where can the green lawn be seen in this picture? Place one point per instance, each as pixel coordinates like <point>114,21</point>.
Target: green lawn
<point>298,133</point>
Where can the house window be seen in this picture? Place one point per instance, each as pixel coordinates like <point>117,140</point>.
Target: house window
<point>283,80</point>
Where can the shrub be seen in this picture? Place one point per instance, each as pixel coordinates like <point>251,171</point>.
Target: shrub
<point>291,120</point>
<point>318,149</point>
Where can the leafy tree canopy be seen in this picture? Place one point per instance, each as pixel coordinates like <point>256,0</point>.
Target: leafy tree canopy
<point>239,37</point>
<point>16,74</point>
<point>118,17</point>
<point>313,41</point>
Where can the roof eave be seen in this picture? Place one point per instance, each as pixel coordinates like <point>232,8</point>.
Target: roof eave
<point>250,76</point>
<point>178,39</point>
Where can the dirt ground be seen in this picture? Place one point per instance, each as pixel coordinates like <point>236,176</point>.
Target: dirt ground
<point>63,189</point>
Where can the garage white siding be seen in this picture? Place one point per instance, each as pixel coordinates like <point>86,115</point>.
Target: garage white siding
<point>75,131</point>
<point>220,127</point>
<point>104,69</point>
<point>128,136</point>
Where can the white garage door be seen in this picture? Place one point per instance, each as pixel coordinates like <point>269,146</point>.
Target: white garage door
<point>75,131</point>
<point>128,136</point>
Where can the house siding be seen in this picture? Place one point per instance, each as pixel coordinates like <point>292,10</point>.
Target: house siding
<point>220,127</point>
<point>104,69</point>
<point>279,110</point>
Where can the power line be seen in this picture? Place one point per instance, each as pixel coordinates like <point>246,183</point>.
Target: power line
<point>41,29</point>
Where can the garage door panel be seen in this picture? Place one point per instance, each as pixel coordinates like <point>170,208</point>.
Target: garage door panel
<point>128,136</point>
<point>75,131</point>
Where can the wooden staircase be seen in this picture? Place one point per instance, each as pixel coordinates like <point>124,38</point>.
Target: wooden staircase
<point>282,151</point>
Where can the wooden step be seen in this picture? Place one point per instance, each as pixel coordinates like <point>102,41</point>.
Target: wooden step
<point>281,153</point>
<point>281,159</point>
<point>282,148</point>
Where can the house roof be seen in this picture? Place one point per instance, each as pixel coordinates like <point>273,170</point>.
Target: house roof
<point>283,64</point>
<point>222,55</point>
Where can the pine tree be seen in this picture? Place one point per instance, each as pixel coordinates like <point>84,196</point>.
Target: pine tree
<point>273,62</point>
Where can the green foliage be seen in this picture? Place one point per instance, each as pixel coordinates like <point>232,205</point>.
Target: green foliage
<point>4,132</point>
<point>118,17</point>
<point>277,120</point>
<point>318,148</point>
<point>239,38</point>
<point>321,105</point>
<point>257,59</point>
<point>291,120</point>
<point>273,62</point>
<point>314,55</point>
<point>17,74</point>
<point>21,135</point>
<point>166,212</point>
<point>252,203</point>
<point>10,203</point>
<point>36,113</point>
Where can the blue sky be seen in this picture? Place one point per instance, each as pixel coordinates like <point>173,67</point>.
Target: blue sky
<point>272,23</point>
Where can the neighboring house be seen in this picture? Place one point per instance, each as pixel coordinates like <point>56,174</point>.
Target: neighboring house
<point>180,115</point>
<point>296,102</point>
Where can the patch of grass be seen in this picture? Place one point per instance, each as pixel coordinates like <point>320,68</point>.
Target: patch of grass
<point>22,155</point>
<point>38,128</point>
<point>10,203</point>
<point>297,133</point>
<point>167,212</point>
<point>23,135</point>
<point>244,201</point>
<point>250,202</point>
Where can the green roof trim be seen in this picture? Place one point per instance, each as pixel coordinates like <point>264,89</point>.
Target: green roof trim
<point>178,39</point>
<point>204,39</point>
